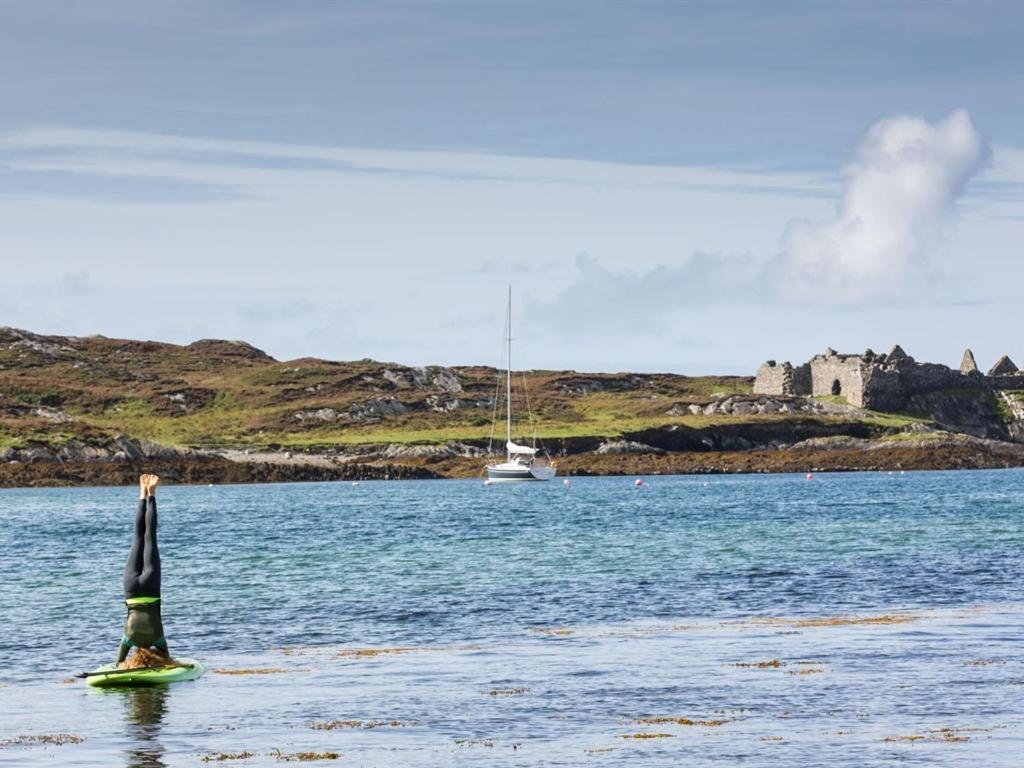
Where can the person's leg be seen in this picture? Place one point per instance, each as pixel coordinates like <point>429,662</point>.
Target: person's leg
<point>133,568</point>
<point>149,581</point>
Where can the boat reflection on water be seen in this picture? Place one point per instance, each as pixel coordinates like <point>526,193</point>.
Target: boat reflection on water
<point>144,714</point>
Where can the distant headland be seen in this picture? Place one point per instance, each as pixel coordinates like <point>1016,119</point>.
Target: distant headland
<point>94,410</point>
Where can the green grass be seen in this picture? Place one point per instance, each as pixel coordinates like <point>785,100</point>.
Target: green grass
<point>594,427</point>
<point>228,421</point>
<point>834,399</point>
<point>901,437</point>
<point>1001,408</point>
<point>893,420</point>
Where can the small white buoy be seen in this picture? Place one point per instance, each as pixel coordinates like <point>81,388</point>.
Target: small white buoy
<point>355,482</point>
<point>487,481</point>
<point>210,485</point>
<point>638,482</point>
<point>566,481</point>
<point>810,475</point>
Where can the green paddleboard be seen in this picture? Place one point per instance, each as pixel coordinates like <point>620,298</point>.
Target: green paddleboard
<point>109,676</point>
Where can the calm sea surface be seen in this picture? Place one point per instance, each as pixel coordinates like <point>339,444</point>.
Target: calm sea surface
<point>533,624</point>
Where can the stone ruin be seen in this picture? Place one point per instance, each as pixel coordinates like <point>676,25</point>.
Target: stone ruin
<point>881,382</point>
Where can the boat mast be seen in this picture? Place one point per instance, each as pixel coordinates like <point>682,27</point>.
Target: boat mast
<point>508,373</point>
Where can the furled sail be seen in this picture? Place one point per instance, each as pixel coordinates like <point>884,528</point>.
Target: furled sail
<point>522,449</point>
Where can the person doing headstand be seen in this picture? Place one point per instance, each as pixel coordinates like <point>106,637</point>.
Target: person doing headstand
<point>143,628</point>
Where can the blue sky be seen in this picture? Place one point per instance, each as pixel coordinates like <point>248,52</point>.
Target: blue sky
<point>668,186</point>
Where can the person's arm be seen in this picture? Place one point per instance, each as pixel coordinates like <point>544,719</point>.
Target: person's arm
<point>122,650</point>
<point>161,645</point>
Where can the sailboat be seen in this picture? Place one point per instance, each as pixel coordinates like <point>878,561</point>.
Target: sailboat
<point>521,461</point>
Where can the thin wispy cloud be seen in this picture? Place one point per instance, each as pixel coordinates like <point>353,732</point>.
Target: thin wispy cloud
<point>127,154</point>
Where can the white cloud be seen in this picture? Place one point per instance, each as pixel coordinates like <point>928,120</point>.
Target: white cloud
<point>898,195</point>
<point>897,198</point>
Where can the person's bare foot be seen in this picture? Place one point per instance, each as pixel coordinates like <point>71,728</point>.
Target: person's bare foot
<point>143,486</point>
<point>154,481</point>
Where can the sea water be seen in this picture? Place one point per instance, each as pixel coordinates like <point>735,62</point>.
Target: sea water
<point>848,620</point>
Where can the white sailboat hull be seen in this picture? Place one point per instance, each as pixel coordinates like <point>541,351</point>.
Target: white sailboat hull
<point>513,472</point>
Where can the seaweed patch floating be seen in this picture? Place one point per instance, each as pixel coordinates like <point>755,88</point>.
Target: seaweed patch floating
<point>841,621</point>
<point>679,721</point>
<point>370,653</point>
<point>53,739</point>
<point>303,756</point>
<point>222,757</point>
<point>646,736</point>
<point>771,664</point>
<point>338,725</point>
<point>552,631</point>
<point>277,754</point>
<point>947,734</point>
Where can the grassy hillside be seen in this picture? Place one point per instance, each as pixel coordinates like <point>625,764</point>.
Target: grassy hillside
<point>215,394</point>
<point>222,394</point>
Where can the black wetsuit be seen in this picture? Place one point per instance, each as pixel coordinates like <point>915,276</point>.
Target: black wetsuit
<point>143,627</point>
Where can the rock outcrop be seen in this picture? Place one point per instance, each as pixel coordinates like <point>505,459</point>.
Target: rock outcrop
<point>227,348</point>
<point>119,449</point>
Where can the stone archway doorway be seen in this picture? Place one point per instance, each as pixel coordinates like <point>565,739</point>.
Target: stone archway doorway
<point>837,388</point>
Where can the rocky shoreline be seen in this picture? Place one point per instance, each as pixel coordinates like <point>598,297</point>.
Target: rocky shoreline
<point>122,461</point>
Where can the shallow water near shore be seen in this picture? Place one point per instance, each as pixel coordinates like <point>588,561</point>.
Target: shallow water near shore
<point>858,620</point>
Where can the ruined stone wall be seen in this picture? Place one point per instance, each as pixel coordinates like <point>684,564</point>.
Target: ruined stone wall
<point>928,377</point>
<point>783,379</point>
<point>880,382</point>
<point>802,379</point>
<point>772,379</point>
<point>1011,381</point>
<point>842,375</point>
<point>883,389</point>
